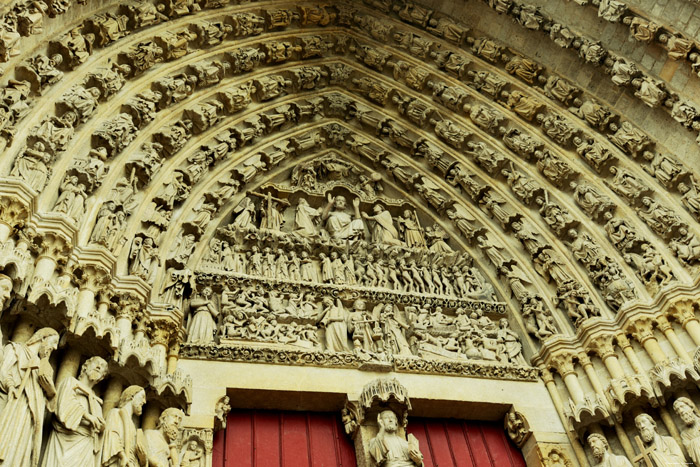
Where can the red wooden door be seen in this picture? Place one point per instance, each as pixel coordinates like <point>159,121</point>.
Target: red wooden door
<point>257,438</point>
<point>460,443</point>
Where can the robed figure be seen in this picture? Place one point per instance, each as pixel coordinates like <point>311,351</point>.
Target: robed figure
<point>601,453</point>
<point>383,230</point>
<point>78,424</point>
<point>26,381</point>
<point>686,410</point>
<point>202,326</point>
<point>388,449</point>
<point>335,319</point>
<point>663,450</point>
<point>124,444</point>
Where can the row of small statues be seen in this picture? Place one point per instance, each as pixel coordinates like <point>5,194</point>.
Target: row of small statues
<point>351,269</point>
<point>335,220</point>
<point>384,330</point>
<point>82,434</point>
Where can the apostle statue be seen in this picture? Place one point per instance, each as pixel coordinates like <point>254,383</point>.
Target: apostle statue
<point>663,450</point>
<point>601,452</point>
<point>383,230</point>
<point>388,449</point>
<point>685,409</point>
<point>339,224</point>
<point>162,442</point>
<point>26,382</point>
<point>123,444</point>
<point>78,420</point>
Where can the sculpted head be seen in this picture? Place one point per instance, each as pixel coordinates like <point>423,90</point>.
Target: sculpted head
<point>646,427</point>
<point>169,422</point>
<point>47,340</point>
<point>136,396</point>
<point>388,421</point>
<point>685,409</point>
<point>94,369</point>
<point>340,202</point>
<point>599,445</point>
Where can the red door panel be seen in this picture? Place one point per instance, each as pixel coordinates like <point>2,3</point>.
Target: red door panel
<point>257,438</point>
<point>462,443</point>
<point>260,438</point>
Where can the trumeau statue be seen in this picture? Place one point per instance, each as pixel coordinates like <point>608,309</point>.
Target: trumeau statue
<point>124,444</point>
<point>663,450</point>
<point>601,453</point>
<point>78,421</point>
<point>389,449</point>
<point>26,389</point>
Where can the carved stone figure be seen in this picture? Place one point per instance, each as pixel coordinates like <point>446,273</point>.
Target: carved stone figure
<point>26,383</point>
<point>388,449</point>
<point>651,92</point>
<point>626,184</point>
<point>601,452</point>
<point>78,421</point>
<point>663,450</point>
<point>202,324</point>
<point>71,201</point>
<point>688,412</point>
<point>123,443</point>
<point>161,443</point>
<point>523,68</point>
<point>591,200</point>
<point>622,71</point>
<point>339,224</point>
<point>75,47</point>
<point>382,228</point>
<point>33,166</point>
<point>641,29</point>
<point>335,320</point>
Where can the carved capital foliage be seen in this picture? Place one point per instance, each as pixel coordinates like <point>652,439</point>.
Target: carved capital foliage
<point>92,277</point>
<point>13,212</point>
<point>603,346</point>
<point>55,246</point>
<point>564,363</point>
<point>162,331</point>
<point>683,311</point>
<point>663,324</point>
<point>641,329</point>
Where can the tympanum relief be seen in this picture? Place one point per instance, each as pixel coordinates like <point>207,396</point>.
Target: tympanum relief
<point>328,260</point>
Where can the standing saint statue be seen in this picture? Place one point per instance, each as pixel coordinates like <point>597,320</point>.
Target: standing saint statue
<point>162,442</point>
<point>388,449</point>
<point>601,453</point>
<point>663,450</point>
<point>78,420</point>
<point>686,409</point>
<point>202,324</point>
<point>26,381</point>
<point>339,224</point>
<point>123,444</point>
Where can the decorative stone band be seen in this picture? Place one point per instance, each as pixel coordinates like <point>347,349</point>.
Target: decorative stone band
<point>235,280</point>
<point>250,354</point>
